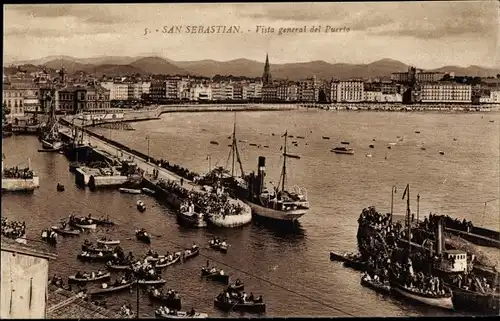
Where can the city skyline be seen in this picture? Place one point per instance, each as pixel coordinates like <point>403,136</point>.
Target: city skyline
<point>426,34</point>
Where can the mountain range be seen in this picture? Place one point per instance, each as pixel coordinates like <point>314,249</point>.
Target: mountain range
<point>148,65</point>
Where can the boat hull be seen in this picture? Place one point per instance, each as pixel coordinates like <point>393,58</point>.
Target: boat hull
<point>269,213</point>
<point>57,145</point>
<point>108,242</point>
<point>242,307</point>
<point>164,265</point>
<point>88,226</point>
<point>111,289</point>
<point>376,286</point>
<point>191,220</point>
<point>72,278</point>
<point>443,302</point>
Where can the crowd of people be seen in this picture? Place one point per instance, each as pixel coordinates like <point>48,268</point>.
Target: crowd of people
<point>179,170</point>
<point>472,283</point>
<point>212,203</point>
<point>13,229</point>
<point>15,172</point>
<point>170,294</point>
<point>238,297</point>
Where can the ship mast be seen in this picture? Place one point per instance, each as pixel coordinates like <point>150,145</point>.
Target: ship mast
<point>235,153</point>
<point>283,170</point>
<point>408,214</point>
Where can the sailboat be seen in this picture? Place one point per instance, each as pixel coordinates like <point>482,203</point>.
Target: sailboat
<point>279,204</point>
<point>50,135</point>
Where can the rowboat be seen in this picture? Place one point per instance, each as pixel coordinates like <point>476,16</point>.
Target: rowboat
<point>169,300</point>
<point>163,262</point>
<point>111,288</point>
<point>119,267</point>
<point>141,206</point>
<point>251,307</point>
<point>104,222</point>
<point>65,231</point>
<point>95,257</point>
<point>142,236</point>
<point>151,282</point>
<point>148,191</point>
<point>439,301</point>
<point>236,288</point>
<point>129,190</point>
<point>192,253</point>
<point>91,248</point>
<point>108,242</point>
<point>218,246</point>
<point>377,286</point>
<point>73,278</point>
<point>85,226</point>
<point>216,276</point>
<point>180,315</point>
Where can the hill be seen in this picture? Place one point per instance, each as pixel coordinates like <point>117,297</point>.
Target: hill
<point>156,65</point>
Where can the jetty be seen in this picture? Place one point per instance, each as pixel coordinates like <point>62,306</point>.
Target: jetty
<point>116,152</point>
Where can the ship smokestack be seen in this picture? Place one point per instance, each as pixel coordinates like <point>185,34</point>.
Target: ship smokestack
<point>261,174</point>
<point>439,235</point>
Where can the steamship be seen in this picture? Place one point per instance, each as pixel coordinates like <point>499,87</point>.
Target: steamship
<point>278,204</point>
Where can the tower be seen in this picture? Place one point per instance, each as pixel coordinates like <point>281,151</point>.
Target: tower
<point>62,75</point>
<point>266,76</point>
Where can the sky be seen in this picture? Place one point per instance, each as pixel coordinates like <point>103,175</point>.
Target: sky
<point>426,34</point>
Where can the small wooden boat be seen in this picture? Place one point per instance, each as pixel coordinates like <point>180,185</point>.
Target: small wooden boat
<point>345,143</point>
<point>251,307</point>
<point>190,253</point>
<point>252,144</point>
<point>148,191</point>
<point>343,257</point>
<point>152,259</point>
<point>118,267</point>
<point>168,300</point>
<point>111,288</point>
<point>300,137</point>
<point>213,142</point>
<point>266,146</point>
<point>439,301</point>
<point>343,150</point>
<point>441,152</point>
<point>163,262</point>
<point>290,136</point>
<point>216,276</point>
<point>192,218</point>
<point>105,241</point>
<point>492,121</point>
<point>83,225</point>
<point>417,132</point>
<point>129,190</point>
<point>384,288</point>
<point>66,232</point>
<point>142,236</point>
<point>73,278</point>
<point>389,147</point>
<point>60,187</point>
<point>372,146</point>
<point>141,206</point>
<point>218,246</point>
<point>92,249</point>
<point>326,137</point>
<point>233,287</point>
<point>422,148</point>
<point>180,315</point>
<point>151,282</point>
<point>95,257</point>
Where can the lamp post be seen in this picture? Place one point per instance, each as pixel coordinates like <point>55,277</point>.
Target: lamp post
<point>393,191</point>
<point>418,207</point>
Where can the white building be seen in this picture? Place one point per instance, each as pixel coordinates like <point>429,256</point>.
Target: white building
<point>254,90</point>
<point>222,91</point>
<point>347,91</point>
<point>380,97</point>
<point>446,93</point>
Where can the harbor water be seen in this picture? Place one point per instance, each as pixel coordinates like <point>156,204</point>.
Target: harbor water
<point>290,268</point>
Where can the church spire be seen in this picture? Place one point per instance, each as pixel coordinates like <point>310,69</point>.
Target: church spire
<point>266,77</point>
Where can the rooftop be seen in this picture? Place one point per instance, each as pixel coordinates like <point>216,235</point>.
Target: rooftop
<point>32,248</point>
<point>63,304</point>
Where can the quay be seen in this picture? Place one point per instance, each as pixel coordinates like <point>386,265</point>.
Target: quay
<point>115,152</point>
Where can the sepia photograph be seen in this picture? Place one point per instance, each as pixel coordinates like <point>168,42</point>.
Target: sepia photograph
<point>250,160</point>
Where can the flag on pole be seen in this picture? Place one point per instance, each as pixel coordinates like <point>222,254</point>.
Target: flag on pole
<point>406,190</point>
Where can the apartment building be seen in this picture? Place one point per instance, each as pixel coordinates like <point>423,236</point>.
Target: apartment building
<point>446,92</point>
<point>347,91</point>
<point>222,91</point>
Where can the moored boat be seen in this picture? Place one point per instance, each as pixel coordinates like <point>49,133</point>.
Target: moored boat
<point>88,278</point>
<point>376,285</point>
<point>87,257</point>
<point>118,266</point>
<point>326,137</point>
<point>148,191</point>
<point>92,249</point>
<point>436,300</point>
<point>343,150</point>
<point>108,289</point>
<point>129,190</point>
<point>105,241</point>
<point>151,282</point>
<point>84,223</point>
<point>251,307</point>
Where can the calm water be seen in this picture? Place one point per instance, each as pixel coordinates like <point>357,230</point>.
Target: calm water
<point>339,186</point>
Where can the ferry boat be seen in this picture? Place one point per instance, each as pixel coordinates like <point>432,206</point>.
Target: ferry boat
<point>343,150</point>
<point>279,204</point>
<point>19,179</point>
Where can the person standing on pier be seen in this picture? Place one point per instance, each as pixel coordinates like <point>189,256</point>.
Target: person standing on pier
<point>182,181</point>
